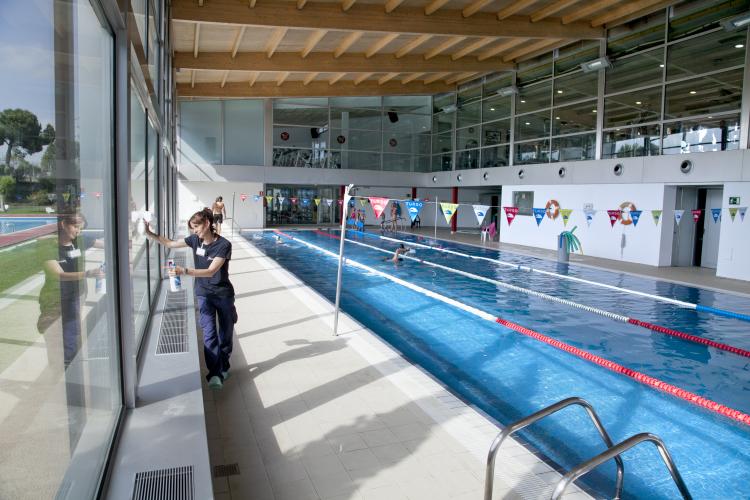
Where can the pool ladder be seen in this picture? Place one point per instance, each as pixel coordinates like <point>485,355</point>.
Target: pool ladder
<point>613,451</point>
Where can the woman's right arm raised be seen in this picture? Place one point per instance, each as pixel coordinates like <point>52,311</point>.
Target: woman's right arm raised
<point>163,239</point>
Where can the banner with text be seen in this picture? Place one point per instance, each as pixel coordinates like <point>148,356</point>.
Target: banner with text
<point>449,210</point>
<point>510,213</point>
<point>378,204</point>
<point>413,207</point>
<point>614,216</point>
<point>539,214</point>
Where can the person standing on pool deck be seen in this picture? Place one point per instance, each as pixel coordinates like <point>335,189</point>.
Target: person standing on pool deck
<point>211,255</point>
<point>219,212</point>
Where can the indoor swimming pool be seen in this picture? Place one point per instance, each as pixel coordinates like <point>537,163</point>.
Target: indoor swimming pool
<point>439,307</point>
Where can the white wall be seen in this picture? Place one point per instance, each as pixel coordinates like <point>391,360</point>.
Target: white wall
<point>733,261</point>
<point>640,244</point>
<point>194,196</point>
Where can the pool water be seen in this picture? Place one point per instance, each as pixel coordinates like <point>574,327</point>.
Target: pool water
<point>14,224</point>
<point>509,376</point>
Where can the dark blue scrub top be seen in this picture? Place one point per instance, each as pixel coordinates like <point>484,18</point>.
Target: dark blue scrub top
<point>217,285</point>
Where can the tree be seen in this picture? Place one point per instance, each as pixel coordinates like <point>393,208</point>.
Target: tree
<point>20,130</point>
<point>7,184</point>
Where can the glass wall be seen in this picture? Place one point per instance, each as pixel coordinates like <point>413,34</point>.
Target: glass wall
<point>372,133</point>
<point>60,387</point>
<point>301,204</point>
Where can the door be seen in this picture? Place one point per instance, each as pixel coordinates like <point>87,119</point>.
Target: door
<point>683,238</point>
<point>711,229</point>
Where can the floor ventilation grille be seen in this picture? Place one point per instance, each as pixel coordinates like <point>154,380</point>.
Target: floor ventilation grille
<point>226,470</point>
<point>173,337</point>
<point>164,484</point>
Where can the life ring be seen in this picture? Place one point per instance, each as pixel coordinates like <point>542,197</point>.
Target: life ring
<point>552,209</point>
<point>625,208</point>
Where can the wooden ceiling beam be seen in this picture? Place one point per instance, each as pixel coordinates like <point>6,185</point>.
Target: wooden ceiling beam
<point>282,78</point>
<point>335,78</point>
<point>643,12</point>
<point>513,8</point>
<point>391,5</point>
<point>224,79</point>
<point>624,10</point>
<point>192,78</point>
<point>309,78</point>
<point>317,88</point>
<point>533,50</point>
<point>412,77</point>
<point>461,76</point>
<point>434,6</point>
<point>238,40</point>
<point>373,18</point>
<point>196,39</point>
<point>301,4</point>
<point>476,45</point>
<point>435,77</point>
<point>347,4</point>
<point>312,41</point>
<point>475,7</point>
<point>502,47</point>
<point>586,10</point>
<point>275,40</point>
<point>254,77</point>
<point>348,63</point>
<point>551,10</point>
<point>412,45</point>
<point>380,44</point>
<point>444,46</point>
<point>361,78</point>
<point>387,78</point>
<point>347,42</point>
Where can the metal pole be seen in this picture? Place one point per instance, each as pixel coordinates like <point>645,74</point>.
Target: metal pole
<point>436,205</point>
<point>232,226</point>
<point>344,207</point>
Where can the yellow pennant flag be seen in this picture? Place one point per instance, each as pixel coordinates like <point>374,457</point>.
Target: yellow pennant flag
<point>317,201</point>
<point>363,201</point>
<point>449,209</point>
<point>269,199</point>
<point>565,215</point>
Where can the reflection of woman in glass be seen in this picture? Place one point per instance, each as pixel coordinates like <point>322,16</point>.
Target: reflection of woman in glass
<point>60,297</point>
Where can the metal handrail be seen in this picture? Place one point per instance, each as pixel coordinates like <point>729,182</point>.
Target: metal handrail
<point>615,452</point>
<point>524,422</point>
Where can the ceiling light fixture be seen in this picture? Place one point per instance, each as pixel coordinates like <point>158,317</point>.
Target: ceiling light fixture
<point>596,64</point>
<point>450,108</point>
<point>507,91</point>
<point>737,22</point>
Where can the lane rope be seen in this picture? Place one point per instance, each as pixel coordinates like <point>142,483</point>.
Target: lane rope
<point>613,316</point>
<point>639,377</point>
<point>519,267</point>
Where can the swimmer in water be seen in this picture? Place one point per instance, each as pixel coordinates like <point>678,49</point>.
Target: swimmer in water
<point>401,250</point>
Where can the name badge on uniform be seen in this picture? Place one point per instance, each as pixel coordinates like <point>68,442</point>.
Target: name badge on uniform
<point>200,251</point>
<point>74,254</point>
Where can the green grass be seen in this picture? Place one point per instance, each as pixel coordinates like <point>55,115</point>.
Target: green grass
<point>22,262</point>
<point>24,209</point>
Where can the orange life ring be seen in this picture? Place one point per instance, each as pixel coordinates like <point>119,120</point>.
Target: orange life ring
<point>625,218</point>
<point>552,209</point>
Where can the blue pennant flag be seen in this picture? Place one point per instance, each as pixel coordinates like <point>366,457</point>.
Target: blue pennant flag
<point>716,213</point>
<point>413,207</point>
<point>305,202</point>
<point>256,197</point>
<point>635,215</point>
<point>539,214</point>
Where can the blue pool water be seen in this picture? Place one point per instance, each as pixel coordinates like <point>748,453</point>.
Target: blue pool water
<point>509,375</point>
<point>14,224</point>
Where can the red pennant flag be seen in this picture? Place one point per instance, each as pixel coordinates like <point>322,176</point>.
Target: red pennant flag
<point>341,202</point>
<point>614,216</point>
<point>243,196</point>
<point>697,214</point>
<point>378,204</point>
<point>510,213</point>
<point>293,200</point>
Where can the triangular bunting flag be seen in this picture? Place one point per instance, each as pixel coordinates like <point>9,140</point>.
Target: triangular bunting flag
<point>635,216</point>
<point>269,199</point>
<point>716,214</point>
<point>678,216</point>
<point>614,216</point>
<point>449,209</point>
<point>281,200</point>
<point>363,201</point>
<point>317,201</point>
<point>328,201</point>
<point>481,211</point>
<point>696,214</point>
<point>293,200</point>
<point>566,215</point>
<point>413,207</point>
<point>510,213</point>
<point>256,197</point>
<point>742,213</point>
<point>656,214</point>
<point>589,216</point>
<point>733,212</point>
<point>305,202</point>
<point>378,204</point>
<point>66,197</point>
<point>539,214</point>
<point>340,201</point>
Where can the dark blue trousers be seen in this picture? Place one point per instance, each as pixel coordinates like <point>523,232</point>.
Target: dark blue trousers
<point>217,342</point>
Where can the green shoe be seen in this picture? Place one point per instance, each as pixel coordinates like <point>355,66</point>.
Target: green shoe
<point>215,383</point>
<point>225,375</point>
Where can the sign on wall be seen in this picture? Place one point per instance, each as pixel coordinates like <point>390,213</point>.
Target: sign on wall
<point>734,200</point>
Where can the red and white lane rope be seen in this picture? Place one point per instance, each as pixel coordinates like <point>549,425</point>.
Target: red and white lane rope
<point>639,377</point>
<point>551,298</point>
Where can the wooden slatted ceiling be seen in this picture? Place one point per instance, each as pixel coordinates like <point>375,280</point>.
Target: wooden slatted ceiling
<point>260,48</point>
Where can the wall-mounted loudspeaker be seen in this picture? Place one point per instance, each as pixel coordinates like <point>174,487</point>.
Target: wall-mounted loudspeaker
<point>618,169</point>
<point>314,133</point>
<point>392,116</point>
<point>686,166</point>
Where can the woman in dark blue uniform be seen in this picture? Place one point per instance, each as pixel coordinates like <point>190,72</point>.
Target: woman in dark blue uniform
<point>215,293</point>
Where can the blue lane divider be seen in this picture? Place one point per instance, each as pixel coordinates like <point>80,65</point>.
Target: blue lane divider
<point>722,312</point>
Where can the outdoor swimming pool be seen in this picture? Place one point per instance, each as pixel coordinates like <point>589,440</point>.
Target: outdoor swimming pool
<point>509,375</point>
<point>15,224</point>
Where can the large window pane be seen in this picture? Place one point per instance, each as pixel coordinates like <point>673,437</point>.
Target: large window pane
<point>496,82</point>
<point>469,114</point>
<point>632,108</point>
<point>419,104</point>
<point>312,112</point>
<point>629,142</point>
<point>533,125</point>
<point>360,160</point>
<point>153,248</point>
<point>406,163</point>
<point>708,95</point>
<point>532,152</point>
<point>496,156</point>
<point>697,136</point>
<point>691,17</point>
<point>200,132</point>
<point>467,159</point>
<point>442,122</point>
<point>573,148</point>
<point>711,52</point>
<point>138,208</point>
<point>361,119</point>
<point>243,132</point>
<point>572,56</point>
<point>299,137</point>
<point>467,138</point>
<point>576,118</point>
<point>408,134</point>
<point>442,163</point>
<point>637,71</point>
<point>361,140</point>
<point>534,70</point>
<point>636,35</point>
<point>442,143</point>
<point>533,98</point>
<point>495,107</point>
<point>575,87</point>
<point>496,132</point>
<point>59,357</point>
